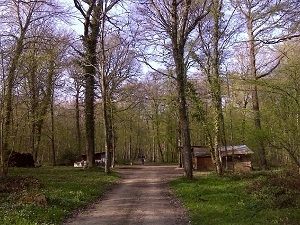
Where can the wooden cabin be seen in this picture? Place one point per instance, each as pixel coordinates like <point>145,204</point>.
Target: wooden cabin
<point>239,155</point>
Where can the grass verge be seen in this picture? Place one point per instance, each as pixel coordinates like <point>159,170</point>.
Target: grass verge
<point>47,195</point>
<point>270,198</point>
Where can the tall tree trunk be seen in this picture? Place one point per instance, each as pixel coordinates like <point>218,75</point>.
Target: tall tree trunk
<point>106,101</point>
<point>255,100</point>
<point>230,122</point>
<point>220,130</point>
<point>214,80</point>
<point>114,138</point>
<point>178,43</point>
<point>179,148</point>
<point>43,106</point>
<point>178,19</point>
<point>94,15</point>
<point>77,116</point>
<point>34,104</point>
<point>108,131</point>
<point>90,41</point>
<point>157,133</point>
<point>130,141</point>
<point>52,130</point>
<point>183,118</point>
<point>244,120</point>
<point>8,100</point>
<point>90,111</point>
<point>90,121</point>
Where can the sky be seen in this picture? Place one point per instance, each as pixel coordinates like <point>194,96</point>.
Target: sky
<point>76,24</point>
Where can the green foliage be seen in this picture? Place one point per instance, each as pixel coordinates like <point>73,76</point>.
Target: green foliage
<point>227,200</point>
<point>65,189</point>
<point>68,158</point>
<point>279,190</point>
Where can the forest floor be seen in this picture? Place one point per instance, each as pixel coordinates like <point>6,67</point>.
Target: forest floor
<point>142,197</point>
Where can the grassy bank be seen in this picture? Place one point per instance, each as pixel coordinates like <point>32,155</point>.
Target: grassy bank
<point>47,195</point>
<point>268,198</point>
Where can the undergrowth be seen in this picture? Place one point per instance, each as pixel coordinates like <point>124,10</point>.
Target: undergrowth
<point>47,195</point>
<point>253,198</point>
<point>277,190</point>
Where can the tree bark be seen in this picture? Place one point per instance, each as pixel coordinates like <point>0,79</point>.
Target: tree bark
<point>255,99</point>
<point>178,43</point>
<point>106,101</point>
<point>92,23</point>
<point>8,100</point>
<point>44,105</point>
<point>215,83</point>
<point>184,122</point>
<point>177,19</point>
<point>53,130</point>
<point>157,133</point>
<point>77,117</point>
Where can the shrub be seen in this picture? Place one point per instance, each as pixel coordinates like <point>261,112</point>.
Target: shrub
<point>67,158</point>
<point>18,159</point>
<point>13,184</point>
<point>277,190</point>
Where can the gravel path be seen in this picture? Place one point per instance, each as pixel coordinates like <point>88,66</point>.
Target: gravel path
<point>142,197</point>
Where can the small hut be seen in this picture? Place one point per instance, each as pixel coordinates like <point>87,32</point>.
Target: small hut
<point>239,155</point>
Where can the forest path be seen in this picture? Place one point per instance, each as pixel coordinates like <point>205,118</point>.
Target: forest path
<point>142,197</point>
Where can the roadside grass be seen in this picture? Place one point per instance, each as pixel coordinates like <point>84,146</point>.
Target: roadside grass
<point>256,198</point>
<point>66,189</point>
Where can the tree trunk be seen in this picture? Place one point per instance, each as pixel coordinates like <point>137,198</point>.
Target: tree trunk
<point>90,41</point>
<point>107,126</point>
<point>53,130</point>
<point>230,122</point>
<point>184,122</point>
<point>106,101</point>
<point>89,116</point>
<point>44,106</point>
<point>179,146</point>
<point>156,122</point>
<point>8,99</point>
<point>94,15</point>
<point>130,142</point>
<point>219,123</point>
<point>255,100</point>
<point>177,20</point>
<point>213,75</point>
<point>77,115</point>
<point>113,133</point>
<point>32,80</point>
<point>178,44</point>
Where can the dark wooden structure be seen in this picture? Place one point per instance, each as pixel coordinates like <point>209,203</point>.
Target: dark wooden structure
<point>239,155</point>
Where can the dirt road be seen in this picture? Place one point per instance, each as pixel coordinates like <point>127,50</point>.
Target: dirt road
<point>142,197</point>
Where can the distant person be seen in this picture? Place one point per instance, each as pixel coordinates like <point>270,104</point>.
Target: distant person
<point>143,159</point>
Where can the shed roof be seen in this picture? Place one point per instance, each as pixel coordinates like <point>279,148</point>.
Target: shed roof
<point>238,149</point>
<point>200,151</point>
